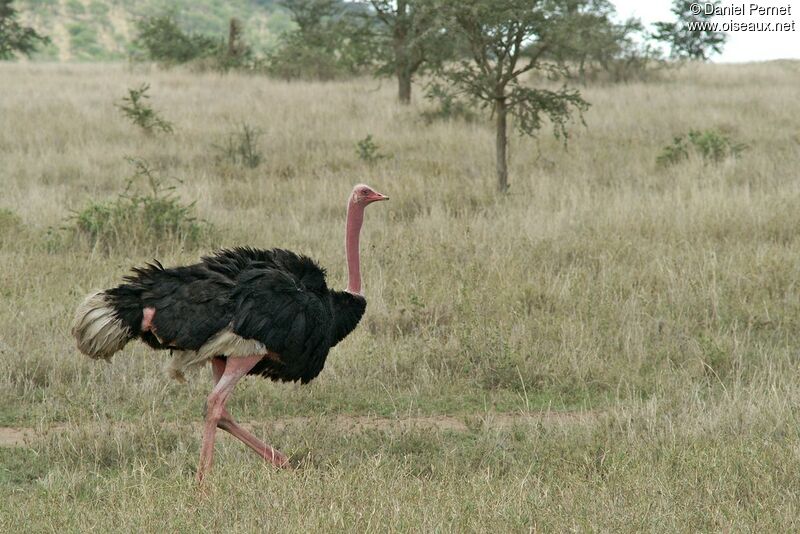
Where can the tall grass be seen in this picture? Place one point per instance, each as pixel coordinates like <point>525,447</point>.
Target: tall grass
<point>663,302</point>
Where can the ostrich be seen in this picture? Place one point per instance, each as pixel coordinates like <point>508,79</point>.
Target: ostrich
<point>248,311</point>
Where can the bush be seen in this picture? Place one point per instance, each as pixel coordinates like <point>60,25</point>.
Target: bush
<point>328,42</point>
<point>163,41</point>
<point>367,150</point>
<point>140,113</point>
<point>449,107</point>
<point>711,145</point>
<point>139,218</point>
<point>83,41</point>
<point>241,147</point>
<point>10,223</point>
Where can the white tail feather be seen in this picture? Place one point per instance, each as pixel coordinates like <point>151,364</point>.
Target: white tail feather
<point>97,329</point>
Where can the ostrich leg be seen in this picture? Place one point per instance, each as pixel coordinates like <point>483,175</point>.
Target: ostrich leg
<point>235,369</point>
<point>227,424</point>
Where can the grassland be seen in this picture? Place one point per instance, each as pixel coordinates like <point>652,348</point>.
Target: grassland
<point>614,346</point>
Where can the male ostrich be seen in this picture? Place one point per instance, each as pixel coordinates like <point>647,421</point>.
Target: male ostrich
<point>248,311</point>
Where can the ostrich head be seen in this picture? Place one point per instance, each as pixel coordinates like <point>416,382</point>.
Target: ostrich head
<point>364,195</point>
<point>361,197</point>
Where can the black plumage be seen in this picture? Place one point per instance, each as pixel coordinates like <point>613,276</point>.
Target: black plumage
<point>275,296</point>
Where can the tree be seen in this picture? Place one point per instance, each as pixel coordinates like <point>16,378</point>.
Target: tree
<point>237,53</point>
<point>414,40</point>
<point>165,42</point>
<point>329,41</point>
<point>598,42</point>
<point>162,40</point>
<point>14,37</point>
<point>689,37</point>
<point>506,39</point>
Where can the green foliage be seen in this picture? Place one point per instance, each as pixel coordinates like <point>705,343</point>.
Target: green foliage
<point>10,223</point>
<point>710,145</point>
<point>407,40</point>
<point>329,43</point>
<point>497,33</point>
<point>595,45</point>
<point>241,147</point>
<point>14,37</point>
<point>237,54</point>
<point>448,106</point>
<point>534,105</point>
<point>686,41</point>
<point>368,150</point>
<point>83,42</point>
<point>99,9</point>
<point>114,24</point>
<point>75,7</point>
<point>139,216</point>
<point>163,41</point>
<point>136,109</point>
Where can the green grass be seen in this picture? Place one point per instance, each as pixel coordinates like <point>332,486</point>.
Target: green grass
<point>613,473</point>
<point>638,326</point>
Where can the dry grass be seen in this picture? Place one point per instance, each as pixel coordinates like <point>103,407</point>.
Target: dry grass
<point>666,301</point>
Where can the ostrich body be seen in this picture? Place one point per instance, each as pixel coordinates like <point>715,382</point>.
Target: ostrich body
<point>248,311</point>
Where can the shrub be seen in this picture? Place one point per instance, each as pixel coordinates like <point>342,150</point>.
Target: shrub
<point>83,41</point>
<point>367,150</point>
<point>449,107</point>
<point>714,146</point>
<point>328,42</point>
<point>163,41</point>
<point>241,147</point>
<point>138,217</point>
<point>10,223</point>
<point>711,145</point>
<point>136,109</point>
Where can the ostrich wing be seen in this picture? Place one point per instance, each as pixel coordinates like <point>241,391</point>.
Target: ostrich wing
<point>292,321</point>
<point>191,304</point>
<point>234,262</point>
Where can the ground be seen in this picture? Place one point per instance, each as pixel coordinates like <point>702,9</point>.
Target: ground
<point>611,346</point>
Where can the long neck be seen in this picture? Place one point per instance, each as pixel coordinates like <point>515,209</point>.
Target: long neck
<point>355,217</point>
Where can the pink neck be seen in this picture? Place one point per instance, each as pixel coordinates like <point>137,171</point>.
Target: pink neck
<point>355,217</point>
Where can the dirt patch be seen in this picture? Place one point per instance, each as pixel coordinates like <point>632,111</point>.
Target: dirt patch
<point>21,436</point>
<point>15,437</point>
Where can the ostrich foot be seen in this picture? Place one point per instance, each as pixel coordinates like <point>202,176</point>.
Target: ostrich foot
<point>274,456</point>
<point>227,424</point>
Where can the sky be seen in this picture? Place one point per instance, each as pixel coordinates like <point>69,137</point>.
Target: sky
<point>741,46</point>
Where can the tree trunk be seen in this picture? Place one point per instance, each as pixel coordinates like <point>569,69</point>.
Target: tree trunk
<point>501,143</point>
<point>234,37</point>
<point>402,57</point>
<point>404,85</point>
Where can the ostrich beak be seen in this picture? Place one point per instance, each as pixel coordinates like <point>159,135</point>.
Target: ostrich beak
<point>378,196</point>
